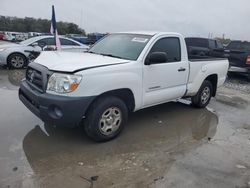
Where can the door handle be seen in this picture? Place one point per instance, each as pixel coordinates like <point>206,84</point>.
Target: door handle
<point>181,69</point>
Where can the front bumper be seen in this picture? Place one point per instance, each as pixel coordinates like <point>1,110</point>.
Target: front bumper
<point>54,109</point>
<point>3,60</point>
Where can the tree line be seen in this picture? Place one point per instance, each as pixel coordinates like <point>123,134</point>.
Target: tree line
<point>39,25</point>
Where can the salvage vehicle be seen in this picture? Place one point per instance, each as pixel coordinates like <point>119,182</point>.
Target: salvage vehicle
<point>204,47</point>
<point>15,55</point>
<point>122,73</point>
<point>239,57</point>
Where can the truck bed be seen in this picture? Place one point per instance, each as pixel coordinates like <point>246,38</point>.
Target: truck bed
<point>200,68</point>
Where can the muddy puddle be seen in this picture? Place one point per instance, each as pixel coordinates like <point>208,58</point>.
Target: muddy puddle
<point>36,155</point>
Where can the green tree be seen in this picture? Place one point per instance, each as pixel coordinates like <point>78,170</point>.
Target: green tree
<point>28,24</point>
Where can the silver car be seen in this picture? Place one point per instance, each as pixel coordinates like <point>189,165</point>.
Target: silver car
<point>15,55</point>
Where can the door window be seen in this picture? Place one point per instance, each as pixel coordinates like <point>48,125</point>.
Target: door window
<point>41,42</point>
<point>66,42</point>
<point>46,42</point>
<point>219,44</point>
<point>51,41</point>
<point>212,44</point>
<point>171,46</point>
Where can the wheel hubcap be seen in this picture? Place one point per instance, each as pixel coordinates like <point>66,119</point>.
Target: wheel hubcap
<point>17,61</point>
<point>205,95</point>
<point>110,121</point>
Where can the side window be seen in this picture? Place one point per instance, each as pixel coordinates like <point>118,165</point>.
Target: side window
<point>219,44</point>
<point>212,44</point>
<point>66,42</point>
<point>42,42</point>
<point>171,46</point>
<point>51,41</point>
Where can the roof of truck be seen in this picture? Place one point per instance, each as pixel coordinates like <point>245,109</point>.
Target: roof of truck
<point>148,32</point>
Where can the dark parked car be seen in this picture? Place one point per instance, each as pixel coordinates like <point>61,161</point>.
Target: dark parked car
<point>204,48</point>
<point>239,57</point>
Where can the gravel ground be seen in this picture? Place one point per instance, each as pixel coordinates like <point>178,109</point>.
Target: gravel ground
<point>238,82</point>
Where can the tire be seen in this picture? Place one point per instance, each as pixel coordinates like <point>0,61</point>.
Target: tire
<point>202,98</point>
<point>17,61</point>
<point>105,118</point>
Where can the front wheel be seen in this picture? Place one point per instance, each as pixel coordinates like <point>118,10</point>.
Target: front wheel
<point>17,61</point>
<point>105,118</point>
<point>202,98</point>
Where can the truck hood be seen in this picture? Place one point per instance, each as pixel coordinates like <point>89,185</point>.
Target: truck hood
<point>72,61</point>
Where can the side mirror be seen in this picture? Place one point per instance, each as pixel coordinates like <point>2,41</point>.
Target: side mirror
<point>156,57</point>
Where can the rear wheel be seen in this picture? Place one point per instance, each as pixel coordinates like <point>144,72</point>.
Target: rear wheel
<point>202,98</point>
<point>105,118</point>
<point>17,61</point>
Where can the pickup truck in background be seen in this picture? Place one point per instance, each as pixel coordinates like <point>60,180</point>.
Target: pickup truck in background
<point>122,73</point>
<point>239,57</point>
<point>204,48</point>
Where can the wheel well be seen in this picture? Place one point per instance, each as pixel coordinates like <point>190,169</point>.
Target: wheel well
<point>126,95</point>
<point>16,53</point>
<point>214,80</point>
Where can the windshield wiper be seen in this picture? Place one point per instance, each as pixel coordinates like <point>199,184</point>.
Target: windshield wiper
<point>110,55</point>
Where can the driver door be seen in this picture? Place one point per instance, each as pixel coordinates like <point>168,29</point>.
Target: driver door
<point>165,81</point>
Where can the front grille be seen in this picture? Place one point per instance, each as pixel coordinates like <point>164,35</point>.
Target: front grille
<point>37,76</point>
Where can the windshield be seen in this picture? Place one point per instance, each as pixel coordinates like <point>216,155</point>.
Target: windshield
<point>125,46</point>
<point>29,41</point>
<point>238,45</point>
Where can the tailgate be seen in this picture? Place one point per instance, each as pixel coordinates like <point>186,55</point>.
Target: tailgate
<point>237,58</point>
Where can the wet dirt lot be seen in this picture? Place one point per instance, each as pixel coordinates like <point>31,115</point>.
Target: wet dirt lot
<point>171,145</point>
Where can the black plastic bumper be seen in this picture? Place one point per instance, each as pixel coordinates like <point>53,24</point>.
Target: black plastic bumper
<point>54,109</point>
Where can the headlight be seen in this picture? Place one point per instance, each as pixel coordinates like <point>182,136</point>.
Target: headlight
<point>63,83</point>
<point>2,49</point>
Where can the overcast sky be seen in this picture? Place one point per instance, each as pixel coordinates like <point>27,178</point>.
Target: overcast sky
<point>189,17</point>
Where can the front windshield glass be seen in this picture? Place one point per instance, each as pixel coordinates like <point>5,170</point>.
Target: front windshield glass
<point>29,41</point>
<point>125,46</point>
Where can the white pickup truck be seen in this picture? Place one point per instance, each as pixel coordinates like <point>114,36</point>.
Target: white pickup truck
<point>122,73</point>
